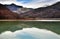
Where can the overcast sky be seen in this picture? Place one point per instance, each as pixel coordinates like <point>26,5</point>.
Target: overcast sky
<point>30,3</point>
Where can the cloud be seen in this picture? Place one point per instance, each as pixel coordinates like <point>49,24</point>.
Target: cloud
<point>7,1</point>
<point>30,3</point>
<point>40,3</point>
<point>29,33</point>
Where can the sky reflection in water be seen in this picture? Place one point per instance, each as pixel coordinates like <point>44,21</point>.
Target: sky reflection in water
<point>30,33</point>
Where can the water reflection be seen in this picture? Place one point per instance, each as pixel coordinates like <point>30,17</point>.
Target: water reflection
<point>29,33</point>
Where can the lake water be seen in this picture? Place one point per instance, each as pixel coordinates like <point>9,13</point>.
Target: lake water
<point>29,30</point>
<point>29,33</point>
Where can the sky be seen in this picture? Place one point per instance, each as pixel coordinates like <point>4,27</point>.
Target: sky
<point>30,3</point>
<point>30,33</point>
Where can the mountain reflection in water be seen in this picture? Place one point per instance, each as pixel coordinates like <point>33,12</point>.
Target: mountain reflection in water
<point>29,33</point>
<point>18,25</point>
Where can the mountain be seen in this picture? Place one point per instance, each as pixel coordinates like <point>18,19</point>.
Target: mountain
<point>52,11</point>
<point>17,9</point>
<point>13,7</point>
<point>14,11</point>
<point>5,13</point>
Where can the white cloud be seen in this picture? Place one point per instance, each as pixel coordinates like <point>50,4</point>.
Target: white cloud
<point>40,3</point>
<point>7,1</point>
<point>33,33</point>
<point>32,4</point>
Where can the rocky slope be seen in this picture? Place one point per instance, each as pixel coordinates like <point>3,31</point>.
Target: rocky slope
<point>13,7</point>
<point>12,11</point>
<point>5,13</point>
<point>18,12</point>
<point>52,11</point>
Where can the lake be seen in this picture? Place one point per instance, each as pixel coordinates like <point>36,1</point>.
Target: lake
<point>29,30</point>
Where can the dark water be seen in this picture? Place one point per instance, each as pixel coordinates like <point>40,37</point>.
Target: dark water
<point>29,30</point>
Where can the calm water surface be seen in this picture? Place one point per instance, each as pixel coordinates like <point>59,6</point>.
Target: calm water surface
<point>29,33</point>
<point>29,30</point>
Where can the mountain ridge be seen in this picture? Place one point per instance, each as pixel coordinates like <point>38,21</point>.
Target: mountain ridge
<point>52,11</point>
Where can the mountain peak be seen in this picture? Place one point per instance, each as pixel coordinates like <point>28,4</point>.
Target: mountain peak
<point>56,4</point>
<point>13,4</point>
<point>16,5</point>
<point>1,4</point>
